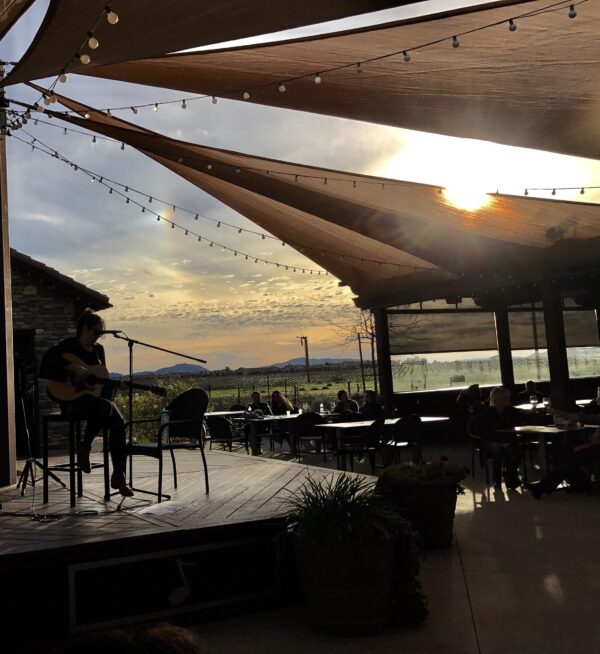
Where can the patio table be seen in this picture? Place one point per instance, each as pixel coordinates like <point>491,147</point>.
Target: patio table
<point>544,433</point>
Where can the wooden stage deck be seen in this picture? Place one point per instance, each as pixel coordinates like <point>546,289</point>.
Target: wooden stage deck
<point>194,553</point>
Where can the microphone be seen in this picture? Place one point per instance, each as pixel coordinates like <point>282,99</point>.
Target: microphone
<point>108,331</point>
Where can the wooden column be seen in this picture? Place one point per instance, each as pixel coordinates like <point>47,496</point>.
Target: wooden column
<point>557,346</point>
<point>8,452</point>
<point>507,375</point>
<point>384,361</point>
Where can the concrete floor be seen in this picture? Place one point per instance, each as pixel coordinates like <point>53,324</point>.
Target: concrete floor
<point>522,576</point>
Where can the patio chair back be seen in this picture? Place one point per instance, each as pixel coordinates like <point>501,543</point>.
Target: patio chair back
<point>191,406</point>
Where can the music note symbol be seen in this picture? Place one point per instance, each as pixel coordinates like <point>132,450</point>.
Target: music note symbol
<point>181,593</point>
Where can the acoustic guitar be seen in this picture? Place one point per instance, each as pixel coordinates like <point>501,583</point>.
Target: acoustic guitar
<point>90,384</point>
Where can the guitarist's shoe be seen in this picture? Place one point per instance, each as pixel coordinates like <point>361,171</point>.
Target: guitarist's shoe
<point>83,458</point>
<point>118,482</point>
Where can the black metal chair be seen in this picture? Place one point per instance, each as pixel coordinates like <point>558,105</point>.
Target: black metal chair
<point>183,430</point>
<point>406,435</point>
<point>369,442</point>
<point>221,430</point>
<point>302,430</point>
<point>475,428</point>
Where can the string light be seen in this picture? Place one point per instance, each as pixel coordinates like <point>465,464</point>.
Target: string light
<point>359,67</point>
<point>93,41</point>
<point>406,56</point>
<point>318,79</point>
<point>214,99</point>
<point>282,88</point>
<point>156,106</point>
<point>62,78</point>
<point>455,42</point>
<point>183,104</point>
<point>512,26</point>
<point>111,16</point>
<point>85,58</point>
<point>134,109</point>
<point>572,11</point>
<point>122,146</point>
<point>246,95</point>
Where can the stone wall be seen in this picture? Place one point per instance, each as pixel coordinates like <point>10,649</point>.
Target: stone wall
<point>46,314</point>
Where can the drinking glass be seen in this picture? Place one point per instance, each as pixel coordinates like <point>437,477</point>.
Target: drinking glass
<point>533,400</point>
<point>546,402</point>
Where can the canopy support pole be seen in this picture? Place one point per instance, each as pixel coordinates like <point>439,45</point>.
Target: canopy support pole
<point>507,374</point>
<point>8,451</point>
<point>384,359</point>
<point>557,346</point>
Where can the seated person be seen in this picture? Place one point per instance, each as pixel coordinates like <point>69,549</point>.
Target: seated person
<point>258,405</point>
<point>500,447</point>
<point>371,409</point>
<point>345,404</point>
<point>593,407</point>
<point>469,400</point>
<point>524,397</point>
<point>280,405</point>
<point>570,468</point>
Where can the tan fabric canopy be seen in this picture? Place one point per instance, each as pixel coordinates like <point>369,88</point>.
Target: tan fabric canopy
<point>151,27</point>
<point>391,241</point>
<point>536,87</point>
<point>10,12</point>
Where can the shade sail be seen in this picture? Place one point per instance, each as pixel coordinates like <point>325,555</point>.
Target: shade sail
<point>391,241</point>
<point>10,12</point>
<point>536,87</point>
<point>151,27</point>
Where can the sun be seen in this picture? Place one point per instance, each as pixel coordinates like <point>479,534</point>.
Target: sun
<point>466,197</point>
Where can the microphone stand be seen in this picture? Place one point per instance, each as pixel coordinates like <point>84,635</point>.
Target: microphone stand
<point>130,343</point>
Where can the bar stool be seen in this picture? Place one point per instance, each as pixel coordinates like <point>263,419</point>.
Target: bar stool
<point>75,475</point>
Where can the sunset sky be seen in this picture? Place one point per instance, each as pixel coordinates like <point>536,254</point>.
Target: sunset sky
<point>183,295</point>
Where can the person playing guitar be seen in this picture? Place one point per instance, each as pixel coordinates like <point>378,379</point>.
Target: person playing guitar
<point>78,361</point>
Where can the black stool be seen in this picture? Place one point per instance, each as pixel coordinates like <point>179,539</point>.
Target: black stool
<point>72,467</point>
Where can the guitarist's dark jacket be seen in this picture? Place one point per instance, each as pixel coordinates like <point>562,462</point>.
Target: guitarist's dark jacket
<point>53,363</point>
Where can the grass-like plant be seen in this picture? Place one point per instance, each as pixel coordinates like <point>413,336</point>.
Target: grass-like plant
<point>341,509</point>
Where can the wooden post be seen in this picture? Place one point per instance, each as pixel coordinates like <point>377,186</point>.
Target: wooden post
<point>8,446</point>
<point>384,360</point>
<point>504,348</point>
<point>557,346</point>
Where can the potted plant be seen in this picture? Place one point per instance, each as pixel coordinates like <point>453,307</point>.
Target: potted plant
<point>346,542</point>
<point>425,494</point>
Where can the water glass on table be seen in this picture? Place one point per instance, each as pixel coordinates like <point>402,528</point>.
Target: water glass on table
<point>533,400</point>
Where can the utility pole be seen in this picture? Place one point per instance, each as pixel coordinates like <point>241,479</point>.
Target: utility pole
<point>362,365</point>
<point>304,341</point>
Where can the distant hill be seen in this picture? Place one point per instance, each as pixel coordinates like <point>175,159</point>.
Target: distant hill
<point>299,361</point>
<point>179,368</point>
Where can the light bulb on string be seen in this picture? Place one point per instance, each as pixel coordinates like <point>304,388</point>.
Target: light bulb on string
<point>359,67</point>
<point>455,42</point>
<point>318,79</point>
<point>526,192</point>
<point>158,219</point>
<point>512,26</point>
<point>108,113</point>
<point>93,41</point>
<point>122,146</point>
<point>134,109</point>
<point>62,78</point>
<point>183,104</point>
<point>196,217</point>
<point>155,106</point>
<point>281,88</point>
<point>214,100</point>
<point>406,56</point>
<point>84,58</point>
<point>111,16</point>
<point>582,191</point>
<point>553,191</point>
<point>572,11</point>
<point>150,198</point>
<point>172,225</point>
<point>94,139</point>
<point>246,95</point>
<point>65,131</point>
<point>86,115</point>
